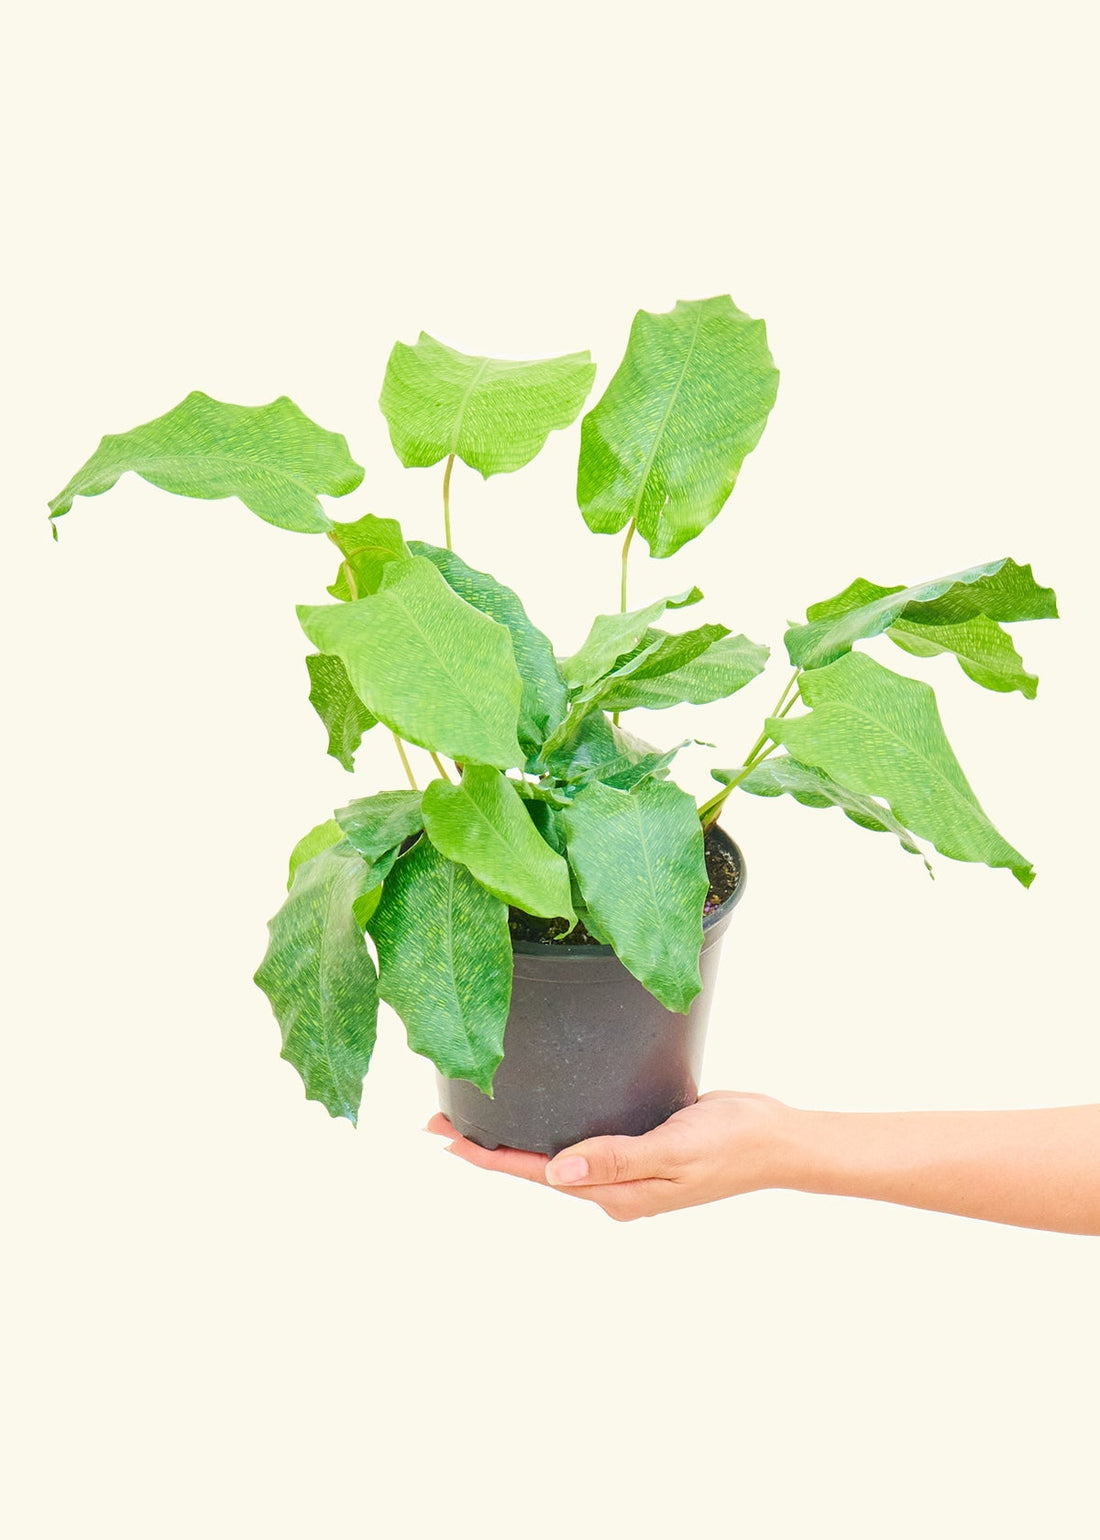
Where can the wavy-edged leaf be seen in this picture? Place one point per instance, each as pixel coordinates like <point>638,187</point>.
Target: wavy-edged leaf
<point>445,963</point>
<point>495,414</point>
<point>319,838</point>
<point>717,670</point>
<point>985,652</point>
<point>612,637</point>
<point>434,669</point>
<point>274,458</point>
<point>665,442</point>
<point>880,734</point>
<point>484,825</point>
<point>813,788</point>
<point>340,709</point>
<point>366,546</point>
<point>378,824</point>
<point>320,980</point>
<point>639,863</point>
<point>999,590</point>
<point>543,702</point>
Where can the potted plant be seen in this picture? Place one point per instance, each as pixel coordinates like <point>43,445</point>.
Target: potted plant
<point>553,879</point>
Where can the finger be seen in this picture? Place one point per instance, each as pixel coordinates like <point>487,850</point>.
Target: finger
<point>523,1163</point>
<point>438,1124</point>
<point>610,1159</point>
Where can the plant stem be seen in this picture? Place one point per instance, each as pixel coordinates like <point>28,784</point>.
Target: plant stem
<point>756,755</point>
<point>405,760</point>
<point>447,500</point>
<point>439,765</point>
<point>626,553</point>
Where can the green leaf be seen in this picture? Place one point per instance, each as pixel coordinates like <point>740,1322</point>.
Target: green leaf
<point>716,671</point>
<point>430,666</point>
<point>338,706</point>
<point>985,652</point>
<point>367,545</point>
<point>319,838</point>
<point>638,858</point>
<point>590,742</point>
<point>813,788</point>
<point>320,980</point>
<point>880,734</point>
<point>495,414</point>
<point>483,824</point>
<point>379,824</point>
<point>543,702</point>
<point>611,637</point>
<point>665,442</point>
<point>999,590</point>
<point>445,964</point>
<point>274,458</point>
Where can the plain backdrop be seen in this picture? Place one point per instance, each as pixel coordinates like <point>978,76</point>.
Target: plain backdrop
<point>230,1316</point>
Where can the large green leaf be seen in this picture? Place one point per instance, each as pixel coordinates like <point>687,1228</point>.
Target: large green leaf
<point>319,838</point>
<point>375,825</point>
<point>338,706</point>
<point>320,980</point>
<point>543,702</point>
<point>445,963</point>
<point>483,823</point>
<point>666,440</point>
<point>366,546</point>
<point>493,413</point>
<point>434,669</point>
<point>612,637</point>
<point>813,788</point>
<point>999,590</point>
<point>717,670</point>
<point>638,858</point>
<point>274,458</point>
<point>985,651</point>
<point>880,734</point>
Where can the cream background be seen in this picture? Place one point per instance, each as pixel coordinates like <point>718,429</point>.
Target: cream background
<point>231,1317</point>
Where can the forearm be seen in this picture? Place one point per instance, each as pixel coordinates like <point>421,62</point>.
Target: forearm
<point>1040,1169</point>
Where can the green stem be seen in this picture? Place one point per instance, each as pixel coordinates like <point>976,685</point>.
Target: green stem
<point>447,500</point>
<point>756,755</point>
<point>439,765</point>
<point>405,760</point>
<point>626,553</point>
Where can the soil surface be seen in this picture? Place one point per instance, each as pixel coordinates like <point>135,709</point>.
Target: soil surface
<point>722,869</point>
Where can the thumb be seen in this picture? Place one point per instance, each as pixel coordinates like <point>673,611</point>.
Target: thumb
<point>598,1162</point>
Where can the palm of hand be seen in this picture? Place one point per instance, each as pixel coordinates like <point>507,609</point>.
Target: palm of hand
<point>716,1148</point>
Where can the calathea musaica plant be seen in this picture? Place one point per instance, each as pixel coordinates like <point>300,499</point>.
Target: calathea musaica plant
<point>549,805</point>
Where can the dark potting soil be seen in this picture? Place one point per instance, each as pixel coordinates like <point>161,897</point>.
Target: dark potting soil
<point>722,869</point>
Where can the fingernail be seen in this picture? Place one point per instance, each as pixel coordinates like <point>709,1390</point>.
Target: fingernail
<point>563,1173</point>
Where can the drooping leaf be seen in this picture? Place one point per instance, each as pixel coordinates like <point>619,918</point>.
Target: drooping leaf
<point>366,546</point>
<point>495,414</point>
<point>638,858</point>
<point>378,824</point>
<point>274,458</point>
<point>340,709</point>
<point>880,734</point>
<point>543,702</point>
<point>611,637</point>
<point>319,838</point>
<point>320,980</point>
<point>985,651</point>
<point>590,742</point>
<point>717,671</point>
<point>813,788</point>
<point>483,824</point>
<point>445,963</point>
<point>434,669</point>
<point>665,442</point>
<point>999,590</point>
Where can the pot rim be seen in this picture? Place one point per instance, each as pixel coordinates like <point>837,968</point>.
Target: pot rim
<point>551,949</point>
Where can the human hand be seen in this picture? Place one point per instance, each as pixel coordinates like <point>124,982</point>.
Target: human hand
<point>728,1142</point>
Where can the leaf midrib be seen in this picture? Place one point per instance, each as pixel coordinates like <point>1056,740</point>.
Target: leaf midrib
<point>462,405</point>
<point>664,420</point>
